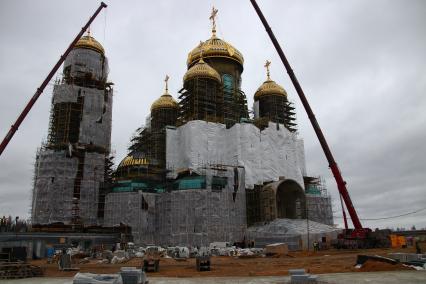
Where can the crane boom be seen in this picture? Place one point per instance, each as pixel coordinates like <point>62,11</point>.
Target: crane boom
<point>341,184</point>
<point>43,85</point>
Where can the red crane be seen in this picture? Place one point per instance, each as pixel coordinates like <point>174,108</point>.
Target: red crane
<point>43,85</point>
<point>359,233</point>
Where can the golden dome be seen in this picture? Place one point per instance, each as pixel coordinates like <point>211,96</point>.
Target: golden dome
<point>89,42</point>
<point>214,47</point>
<point>166,100</point>
<point>269,87</point>
<point>203,70</point>
<point>132,160</point>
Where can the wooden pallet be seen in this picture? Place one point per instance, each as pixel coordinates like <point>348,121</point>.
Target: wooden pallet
<point>12,270</point>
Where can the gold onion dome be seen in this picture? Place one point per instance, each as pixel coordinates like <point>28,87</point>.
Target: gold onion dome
<point>89,42</point>
<point>165,101</point>
<point>201,70</point>
<point>134,159</point>
<point>269,87</point>
<point>214,47</point>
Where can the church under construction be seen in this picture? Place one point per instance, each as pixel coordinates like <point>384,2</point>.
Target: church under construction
<point>202,169</point>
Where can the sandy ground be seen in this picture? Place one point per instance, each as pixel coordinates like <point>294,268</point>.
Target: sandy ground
<point>331,261</point>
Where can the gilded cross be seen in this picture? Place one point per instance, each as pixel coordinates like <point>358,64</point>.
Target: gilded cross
<point>267,63</point>
<point>200,46</point>
<point>166,80</point>
<point>213,19</point>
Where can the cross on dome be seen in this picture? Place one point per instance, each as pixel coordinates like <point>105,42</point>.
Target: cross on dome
<point>166,80</point>
<point>267,63</point>
<point>213,19</point>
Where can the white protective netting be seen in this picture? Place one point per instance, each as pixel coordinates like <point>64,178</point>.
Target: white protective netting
<point>265,155</point>
<point>297,233</point>
<point>191,217</point>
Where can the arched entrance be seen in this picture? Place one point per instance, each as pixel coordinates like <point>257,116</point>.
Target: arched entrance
<point>282,199</point>
<point>290,200</point>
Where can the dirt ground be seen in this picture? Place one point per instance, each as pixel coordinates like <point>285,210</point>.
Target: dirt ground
<point>329,261</point>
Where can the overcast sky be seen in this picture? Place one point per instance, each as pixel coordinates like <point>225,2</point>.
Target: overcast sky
<point>362,65</point>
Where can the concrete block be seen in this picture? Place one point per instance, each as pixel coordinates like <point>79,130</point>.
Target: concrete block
<point>300,278</point>
<point>296,272</point>
<point>405,257</point>
<point>132,275</point>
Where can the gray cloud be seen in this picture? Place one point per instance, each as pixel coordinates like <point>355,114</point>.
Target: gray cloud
<point>361,64</point>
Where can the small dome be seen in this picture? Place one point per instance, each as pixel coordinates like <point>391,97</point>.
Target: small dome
<point>203,70</point>
<point>89,42</point>
<point>269,87</point>
<point>214,47</point>
<point>134,159</point>
<point>165,101</point>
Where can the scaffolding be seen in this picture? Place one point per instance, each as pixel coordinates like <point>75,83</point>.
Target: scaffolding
<point>86,68</point>
<point>152,144</point>
<point>201,99</point>
<point>318,201</point>
<point>151,141</point>
<point>315,185</point>
<point>276,108</point>
<point>199,216</point>
<point>72,167</point>
<point>254,212</point>
<point>162,117</point>
<point>64,125</point>
<point>66,189</point>
<point>205,99</point>
<point>240,109</point>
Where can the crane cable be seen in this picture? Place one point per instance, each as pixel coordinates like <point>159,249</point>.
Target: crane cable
<point>390,217</point>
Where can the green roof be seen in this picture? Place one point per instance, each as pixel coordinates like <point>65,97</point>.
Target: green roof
<point>129,185</point>
<point>193,182</point>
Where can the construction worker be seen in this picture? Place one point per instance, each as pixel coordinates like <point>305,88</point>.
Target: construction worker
<point>316,246</point>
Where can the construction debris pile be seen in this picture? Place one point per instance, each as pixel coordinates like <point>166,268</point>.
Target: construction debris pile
<point>79,256</point>
<point>13,263</point>
<point>14,270</point>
